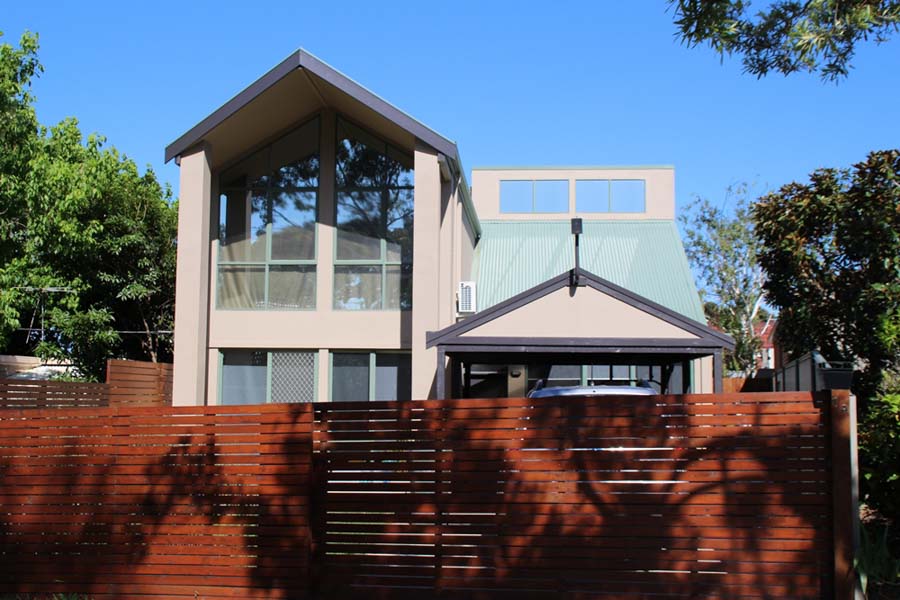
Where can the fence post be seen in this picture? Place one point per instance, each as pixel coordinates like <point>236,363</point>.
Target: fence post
<point>844,493</point>
<point>440,477</point>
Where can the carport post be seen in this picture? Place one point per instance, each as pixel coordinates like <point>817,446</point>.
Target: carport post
<point>441,375</point>
<point>717,372</point>
<point>686,382</point>
<point>455,378</point>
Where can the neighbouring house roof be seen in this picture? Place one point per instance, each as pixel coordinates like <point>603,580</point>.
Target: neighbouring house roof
<point>303,75</point>
<point>765,331</point>
<point>644,257</point>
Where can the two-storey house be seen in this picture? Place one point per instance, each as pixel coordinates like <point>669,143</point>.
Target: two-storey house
<point>330,248</point>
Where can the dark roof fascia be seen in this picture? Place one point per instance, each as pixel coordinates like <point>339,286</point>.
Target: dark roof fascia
<point>305,60</point>
<point>450,335</point>
<point>201,129</point>
<point>465,192</point>
<point>607,351</point>
<point>592,343</point>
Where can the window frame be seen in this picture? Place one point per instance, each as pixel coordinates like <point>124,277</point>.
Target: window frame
<point>382,262</point>
<point>534,199</point>
<point>609,197</point>
<point>372,370</point>
<point>268,261</point>
<point>269,353</point>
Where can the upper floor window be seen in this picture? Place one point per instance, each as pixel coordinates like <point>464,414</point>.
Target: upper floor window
<point>267,226</point>
<point>374,203</point>
<point>610,196</point>
<point>538,196</point>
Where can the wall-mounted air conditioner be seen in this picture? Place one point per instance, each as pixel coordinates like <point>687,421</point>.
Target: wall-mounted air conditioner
<point>466,300</point>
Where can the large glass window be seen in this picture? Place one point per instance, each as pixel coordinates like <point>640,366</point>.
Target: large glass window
<point>260,376</point>
<point>362,376</point>
<point>373,249</point>
<point>615,195</point>
<point>267,226</point>
<point>540,196</point>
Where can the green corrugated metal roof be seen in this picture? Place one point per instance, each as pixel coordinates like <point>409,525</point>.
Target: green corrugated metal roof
<point>645,257</point>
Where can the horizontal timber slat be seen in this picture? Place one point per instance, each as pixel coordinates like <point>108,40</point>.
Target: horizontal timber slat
<point>712,496</point>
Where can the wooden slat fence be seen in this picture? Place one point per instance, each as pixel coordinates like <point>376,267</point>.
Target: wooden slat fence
<point>725,496</point>
<point>666,497</point>
<point>156,503</point>
<point>23,393</point>
<point>128,383</point>
<point>139,383</point>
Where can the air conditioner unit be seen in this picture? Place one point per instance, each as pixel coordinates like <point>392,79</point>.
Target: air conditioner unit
<point>466,301</point>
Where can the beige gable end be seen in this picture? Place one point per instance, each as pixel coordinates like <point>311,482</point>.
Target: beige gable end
<point>588,313</point>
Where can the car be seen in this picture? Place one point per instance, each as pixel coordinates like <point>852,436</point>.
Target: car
<point>642,388</point>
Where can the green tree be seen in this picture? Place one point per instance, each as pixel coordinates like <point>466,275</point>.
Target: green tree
<point>831,253</point>
<point>87,243</point>
<point>788,35</point>
<point>721,248</point>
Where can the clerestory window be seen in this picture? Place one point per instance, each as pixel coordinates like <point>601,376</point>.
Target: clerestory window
<point>374,217</point>
<point>267,226</point>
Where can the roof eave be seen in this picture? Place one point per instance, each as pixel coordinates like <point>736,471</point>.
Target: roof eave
<point>196,133</point>
<point>305,60</point>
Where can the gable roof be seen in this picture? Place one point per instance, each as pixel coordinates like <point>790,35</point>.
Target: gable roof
<point>706,337</point>
<point>322,79</point>
<point>301,59</point>
<point>643,256</point>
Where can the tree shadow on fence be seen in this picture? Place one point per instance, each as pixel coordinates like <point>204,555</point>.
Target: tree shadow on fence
<point>690,497</point>
<point>596,498</point>
<point>194,506</point>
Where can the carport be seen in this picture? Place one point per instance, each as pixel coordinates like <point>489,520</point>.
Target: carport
<point>578,320</point>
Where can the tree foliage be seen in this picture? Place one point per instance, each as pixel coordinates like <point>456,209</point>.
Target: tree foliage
<point>721,248</point>
<point>831,252</point>
<point>87,242</point>
<point>788,35</point>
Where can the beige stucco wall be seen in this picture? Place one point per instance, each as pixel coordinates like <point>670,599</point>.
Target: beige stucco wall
<point>192,275</point>
<point>323,329</point>
<point>206,330</point>
<point>703,375</point>
<point>311,329</point>
<point>587,314</point>
<point>426,265</point>
<point>660,191</point>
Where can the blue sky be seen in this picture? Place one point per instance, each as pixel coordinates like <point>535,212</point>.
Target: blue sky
<point>514,83</point>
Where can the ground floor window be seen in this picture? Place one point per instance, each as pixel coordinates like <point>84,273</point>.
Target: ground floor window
<point>362,376</point>
<point>263,376</point>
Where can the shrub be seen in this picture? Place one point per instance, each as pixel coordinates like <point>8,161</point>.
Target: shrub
<point>879,445</point>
